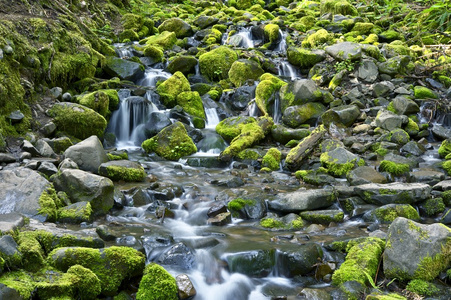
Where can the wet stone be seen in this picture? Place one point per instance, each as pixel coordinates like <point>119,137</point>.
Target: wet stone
<point>216,210</point>
<point>185,287</point>
<point>220,219</point>
<point>7,158</point>
<point>15,117</point>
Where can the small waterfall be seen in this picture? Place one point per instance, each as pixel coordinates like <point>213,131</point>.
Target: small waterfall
<point>128,122</point>
<point>253,110</point>
<point>282,45</point>
<point>288,70</point>
<point>152,76</point>
<point>277,111</point>
<point>212,118</point>
<point>242,39</point>
<point>123,50</point>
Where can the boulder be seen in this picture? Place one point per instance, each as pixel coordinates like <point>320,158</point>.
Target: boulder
<point>20,190</point>
<point>365,174</point>
<point>87,154</point>
<point>259,263</point>
<point>416,251</point>
<point>405,106</point>
<point>125,170</point>
<point>394,66</point>
<point>157,284</point>
<point>171,143</point>
<point>396,192</point>
<point>294,116</point>
<point>240,98</point>
<point>426,176</point>
<point>77,120</point>
<point>305,58</point>
<point>75,213</point>
<point>7,158</point>
<point>345,51</point>
<point>284,134</point>
<point>185,287</point>
<point>221,219</point>
<point>178,255</point>
<point>165,40</point>
<point>302,200</point>
<point>185,64</point>
<point>368,71</point>
<point>9,293</point>
<point>388,120</point>
<point>299,92</point>
<point>172,87</point>
<point>156,122</point>
<point>383,88</point>
<point>339,161</point>
<point>10,222</point>
<point>205,21</point>
<point>47,168</point>
<point>300,261</point>
<point>215,65</point>
<point>388,213</point>
<point>124,69</point>
<point>44,148</point>
<point>178,26</point>
<point>9,252</point>
<point>348,114</point>
<point>243,70</point>
<point>323,216</point>
<point>27,146</point>
<point>83,186</point>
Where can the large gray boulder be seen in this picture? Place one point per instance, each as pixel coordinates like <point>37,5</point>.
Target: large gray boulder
<point>20,190</point>
<point>294,116</point>
<point>83,186</point>
<point>345,51</point>
<point>347,114</point>
<point>88,154</point>
<point>124,69</point>
<point>396,192</point>
<point>416,251</point>
<point>365,174</point>
<point>388,120</point>
<point>10,222</point>
<point>299,92</point>
<point>284,134</point>
<point>302,200</point>
<point>300,261</point>
<point>405,106</point>
<point>368,71</point>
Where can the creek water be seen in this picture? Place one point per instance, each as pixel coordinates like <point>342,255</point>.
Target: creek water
<point>204,251</point>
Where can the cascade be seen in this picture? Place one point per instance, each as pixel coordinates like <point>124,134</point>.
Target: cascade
<point>242,39</point>
<point>288,70</point>
<point>282,45</point>
<point>277,111</point>
<point>123,50</point>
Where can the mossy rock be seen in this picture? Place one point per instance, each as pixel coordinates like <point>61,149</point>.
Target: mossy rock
<point>97,101</point>
<point>336,7</point>
<point>125,170</point>
<point>215,65</point>
<point>124,69</point>
<point>243,70</point>
<point>264,93</point>
<point>422,92</point>
<point>271,33</point>
<point>191,102</point>
<point>111,265</point>
<point>388,213</point>
<point>165,40</point>
<point>363,28</point>
<point>185,64</point>
<point>396,169</point>
<point>304,58</point>
<point>154,52</point>
<point>177,26</point>
<point>339,161</point>
<point>77,120</point>
<point>171,143</point>
<point>157,284</point>
<point>75,213</point>
<point>295,116</point>
<point>323,216</point>
<point>272,159</point>
<point>445,148</point>
<point>318,38</point>
<point>172,87</point>
<point>231,127</point>
<point>128,35</point>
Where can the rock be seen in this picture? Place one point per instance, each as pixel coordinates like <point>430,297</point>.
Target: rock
<point>87,154</point>
<point>67,163</point>
<point>300,261</point>
<point>178,255</point>
<point>317,294</point>
<point>339,161</point>
<point>20,190</point>
<point>9,293</point>
<point>299,92</point>
<point>216,210</point>
<point>294,116</point>
<point>15,117</point>
<point>345,51</point>
<point>442,185</point>
<point>416,251</point>
<point>178,26</point>
<point>383,88</point>
<point>128,263</point>
<point>157,283</point>
<point>323,216</point>
<point>441,132</point>
<point>413,148</point>
<point>165,40</point>
<point>10,222</point>
<point>125,170</point>
<point>56,92</point>
<point>67,97</point>
<point>258,263</point>
<point>44,148</point>
<point>156,122</point>
<point>75,213</point>
<point>83,186</point>
<point>365,174</point>
<point>185,64</point>
<point>388,213</point>
<point>28,147</point>
<point>185,287</point>
<point>171,143</point>
<point>47,168</point>
<point>395,65</point>
<point>405,106</point>
<point>304,58</point>
<point>49,129</point>
<point>284,134</point>
<point>396,192</point>
<point>124,69</point>
<point>205,21</point>
<point>348,114</point>
<point>426,176</point>
<point>215,65</point>
<point>105,233</point>
<point>240,98</point>
<point>77,120</point>
<point>388,120</point>
<point>368,71</point>
<point>243,70</point>
<point>220,219</point>
<point>10,253</point>
<point>302,200</point>
<point>172,87</point>
<point>7,158</point>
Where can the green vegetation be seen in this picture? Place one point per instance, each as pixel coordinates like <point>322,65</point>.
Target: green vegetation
<point>272,159</point>
<point>396,169</point>
<point>422,288</point>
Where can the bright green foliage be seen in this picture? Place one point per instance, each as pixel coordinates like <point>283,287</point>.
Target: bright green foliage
<point>172,87</point>
<point>191,103</point>
<point>157,284</point>
<point>271,223</point>
<point>445,148</point>
<point>361,262</point>
<point>317,39</point>
<point>86,282</point>
<point>117,173</point>
<point>422,92</point>
<point>319,217</point>
<point>171,143</point>
<point>165,40</point>
<point>215,65</point>
<point>243,70</point>
<point>422,288</point>
<point>272,159</point>
<point>393,168</point>
<point>21,281</point>
<point>272,32</point>
<point>447,166</point>
<point>154,52</point>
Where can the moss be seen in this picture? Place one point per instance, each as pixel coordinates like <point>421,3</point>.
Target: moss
<point>422,92</point>
<point>272,159</point>
<point>446,196</point>
<point>87,283</point>
<point>434,206</point>
<point>77,120</point>
<point>111,265</point>
<point>318,217</point>
<point>391,296</point>
<point>336,80</point>
<point>430,267</point>
<point>191,102</point>
<point>21,281</point>
<point>445,148</point>
<point>98,101</point>
<point>117,173</point>
<point>335,7</point>
<point>230,128</point>
<point>239,203</point>
<point>171,143</point>
<point>128,35</point>
<point>156,53</point>
<point>250,134</point>
<point>271,32</point>
<point>75,215</point>
<point>156,284</point>
<point>335,168</point>
<point>316,39</point>
<point>249,154</point>
<point>165,40</point>
<point>243,70</point>
<point>422,288</point>
<point>33,253</point>
<point>447,166</point>
<point>412,128</point>
<point>117,156</point>
<point>214,94</point>
<point>363,28</point>
<point>49,204</point>
<point>215,65</point>
<point>388,213</point>
<point>396,169</point>
<point>172,87</point>
<point>361,262</point>
<point>269,84</point>
<point>271,223</point>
